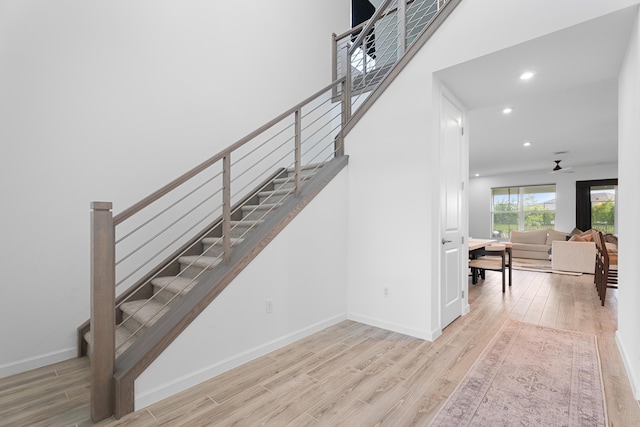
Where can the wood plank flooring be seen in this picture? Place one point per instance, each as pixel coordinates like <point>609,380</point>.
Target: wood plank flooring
<point>350,374</point>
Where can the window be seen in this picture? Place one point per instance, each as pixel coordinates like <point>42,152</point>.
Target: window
<point>603,208</point>
<point>522,208</point>
<point>595,204</point>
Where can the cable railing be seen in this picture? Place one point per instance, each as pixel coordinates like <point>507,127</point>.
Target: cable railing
<point>317,145</point>
<point>146,257</point>
<point>365,54</point>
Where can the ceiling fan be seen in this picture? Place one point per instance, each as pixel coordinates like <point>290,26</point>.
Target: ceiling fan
<point>560,169</point>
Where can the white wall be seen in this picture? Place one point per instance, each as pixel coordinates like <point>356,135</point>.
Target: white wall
<point>629,228</point>
<point>303,271</point>
<point>480,194</point>
<point>393,180</point>
<point>109,100</point>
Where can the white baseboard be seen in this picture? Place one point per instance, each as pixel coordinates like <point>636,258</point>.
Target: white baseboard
<point>401,329</point>
<point>182,383</point>
<point>629,366</point>
<point>466,309</point>
<point>35,362</point>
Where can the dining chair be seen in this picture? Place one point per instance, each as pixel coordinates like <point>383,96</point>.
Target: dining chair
<point>496,257</point>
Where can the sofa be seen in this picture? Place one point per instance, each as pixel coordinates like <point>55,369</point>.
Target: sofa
<point>571,252</point>
<point>535,244</point>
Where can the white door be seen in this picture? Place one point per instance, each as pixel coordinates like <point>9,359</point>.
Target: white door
<point>452,229</point>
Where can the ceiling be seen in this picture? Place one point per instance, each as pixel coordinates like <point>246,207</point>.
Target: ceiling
<point>570,105</point>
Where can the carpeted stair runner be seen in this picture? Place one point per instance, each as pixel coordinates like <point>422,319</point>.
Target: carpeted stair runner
<point>140,315</point>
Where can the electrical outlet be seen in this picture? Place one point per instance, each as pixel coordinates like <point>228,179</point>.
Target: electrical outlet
<point>386,291</point>
<point>269,306</point>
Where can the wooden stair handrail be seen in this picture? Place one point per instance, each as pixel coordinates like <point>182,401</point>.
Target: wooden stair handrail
<point>137,207</point>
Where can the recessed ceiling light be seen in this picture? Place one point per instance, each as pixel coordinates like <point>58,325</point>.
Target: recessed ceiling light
<point>507,110</point>
<point>527,143</point>
<point>527,75</point>
<point>477,174</point>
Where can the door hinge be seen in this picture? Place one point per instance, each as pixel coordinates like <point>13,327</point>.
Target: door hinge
<point>462,294</point>
<point>462,239</point>
<point>462,185</point>
<point>461,130</point>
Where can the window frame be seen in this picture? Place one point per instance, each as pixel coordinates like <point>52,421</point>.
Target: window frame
<point>522,207</point>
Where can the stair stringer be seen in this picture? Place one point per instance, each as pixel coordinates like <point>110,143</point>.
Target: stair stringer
<point>135,360</point>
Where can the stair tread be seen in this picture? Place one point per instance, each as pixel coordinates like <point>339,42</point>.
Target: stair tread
<point>144,311</point>
<point>174,284</point>
<point>291,179</point>
<point>199,261</point>
<point>307,167</point>
<point>218,240</point>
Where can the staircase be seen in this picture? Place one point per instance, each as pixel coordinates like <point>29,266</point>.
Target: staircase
<point>274,173</point>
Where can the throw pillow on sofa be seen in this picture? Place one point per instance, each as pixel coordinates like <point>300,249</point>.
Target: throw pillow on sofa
<point>577,238</point>
<point>555,235</point>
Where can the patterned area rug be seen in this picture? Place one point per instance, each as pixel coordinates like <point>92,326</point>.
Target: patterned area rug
<point>530,376</point>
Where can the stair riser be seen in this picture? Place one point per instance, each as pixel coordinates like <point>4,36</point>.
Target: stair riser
<point>192,271</point>
<point>275,198</point>
<point>213,250</point>
<point>284,185</point>
<point>132,325</point>
<point>164,296</point>
<point>240,230</point>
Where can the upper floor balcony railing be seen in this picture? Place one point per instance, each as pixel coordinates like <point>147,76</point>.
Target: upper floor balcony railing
<point>365,54</point>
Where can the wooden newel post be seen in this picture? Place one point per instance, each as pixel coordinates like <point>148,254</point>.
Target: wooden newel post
<point>103,292</point>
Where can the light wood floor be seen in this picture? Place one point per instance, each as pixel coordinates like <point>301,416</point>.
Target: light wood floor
<point>350,374</point>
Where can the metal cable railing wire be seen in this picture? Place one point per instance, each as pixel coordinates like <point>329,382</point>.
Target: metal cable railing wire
<point>286,141</point>
<point>159,312</point>
<point>141,266</point>
<point>272,166</point>
<point>325,114</point>
<point>385,56</point>
<point>382,32</point>
<point>166,228</point>
<point>162,231</point>
<point>288,127</point>
<point>163,211</point>
<point>419,14</point>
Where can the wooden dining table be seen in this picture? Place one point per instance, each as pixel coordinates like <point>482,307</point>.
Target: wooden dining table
<point>475,244</point>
